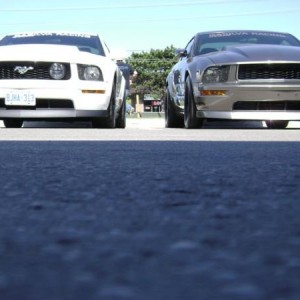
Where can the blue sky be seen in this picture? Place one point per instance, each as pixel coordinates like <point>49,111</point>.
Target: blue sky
<point>136,25</point>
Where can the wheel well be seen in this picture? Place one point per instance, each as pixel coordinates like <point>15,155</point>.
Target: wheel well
<point>187,74</point>
<point>114,83</point>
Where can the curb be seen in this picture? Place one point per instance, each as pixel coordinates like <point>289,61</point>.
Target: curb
<point>149,115</point>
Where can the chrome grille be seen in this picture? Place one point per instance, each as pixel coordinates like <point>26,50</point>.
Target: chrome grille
<point>35,70</point>
<point>269,71</point>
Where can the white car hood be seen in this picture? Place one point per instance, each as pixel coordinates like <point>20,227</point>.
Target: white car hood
<point>51,53</point>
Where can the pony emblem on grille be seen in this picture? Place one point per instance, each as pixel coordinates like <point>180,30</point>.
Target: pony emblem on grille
<point>23,69</point>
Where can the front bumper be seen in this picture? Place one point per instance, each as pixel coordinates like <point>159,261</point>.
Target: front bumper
<point>57,100</point>
<point>249,115</point>
<point>45,114</point>
<point>249,102</point>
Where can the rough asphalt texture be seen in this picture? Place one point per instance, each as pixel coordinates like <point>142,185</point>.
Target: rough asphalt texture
<point>149,220</point>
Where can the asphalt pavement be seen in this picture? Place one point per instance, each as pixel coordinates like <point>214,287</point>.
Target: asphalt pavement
<point>149,219</point>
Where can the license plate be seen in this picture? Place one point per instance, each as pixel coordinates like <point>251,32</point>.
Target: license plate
<point>22,98</point>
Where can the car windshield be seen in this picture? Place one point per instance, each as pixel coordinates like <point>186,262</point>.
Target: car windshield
<point>216,41</point>
<point>84,42</point>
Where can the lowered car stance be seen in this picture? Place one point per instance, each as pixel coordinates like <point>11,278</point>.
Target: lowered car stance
<point>235,75</point>
<point>60,76</point>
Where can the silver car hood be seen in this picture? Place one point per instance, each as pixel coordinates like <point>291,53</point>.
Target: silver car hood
<point>255,53</point>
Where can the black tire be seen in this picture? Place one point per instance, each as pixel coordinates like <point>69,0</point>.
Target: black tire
<point>121,120</point>
<point>277,124</point>
<point>172,119</point>
<point>110,120</point>
<point>13,123</point>
<point>190,119</point>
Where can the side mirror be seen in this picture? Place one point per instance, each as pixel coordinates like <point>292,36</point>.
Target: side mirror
<point>180,53</point>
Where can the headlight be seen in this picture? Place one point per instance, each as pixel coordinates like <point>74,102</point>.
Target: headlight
<point>57,71</point>
<point>216,74</point>
<point>87,72</point>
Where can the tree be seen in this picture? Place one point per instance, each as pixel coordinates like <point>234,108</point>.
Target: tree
<point>152,68</point>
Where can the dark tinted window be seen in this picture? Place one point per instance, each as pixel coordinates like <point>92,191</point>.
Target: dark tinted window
<point>84,42</point>
<point>216,41</point>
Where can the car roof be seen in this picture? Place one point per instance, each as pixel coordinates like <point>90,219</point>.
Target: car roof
<point>62,33</point>
<point>241,30</point>
<point>51,32</point>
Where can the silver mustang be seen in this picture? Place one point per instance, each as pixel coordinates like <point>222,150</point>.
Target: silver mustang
<point>237,75</point>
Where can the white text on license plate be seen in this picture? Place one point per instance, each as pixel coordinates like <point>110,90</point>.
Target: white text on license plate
<point>25,97</point>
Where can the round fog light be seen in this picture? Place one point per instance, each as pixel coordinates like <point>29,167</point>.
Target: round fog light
<point>57,71</point>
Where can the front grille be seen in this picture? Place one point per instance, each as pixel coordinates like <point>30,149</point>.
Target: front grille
<point>35,70</point>
<point>42,104</point>
<point>267,105</point>
<point>269,71</point>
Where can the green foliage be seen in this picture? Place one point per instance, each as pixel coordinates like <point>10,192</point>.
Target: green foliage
<point>152,68</point>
